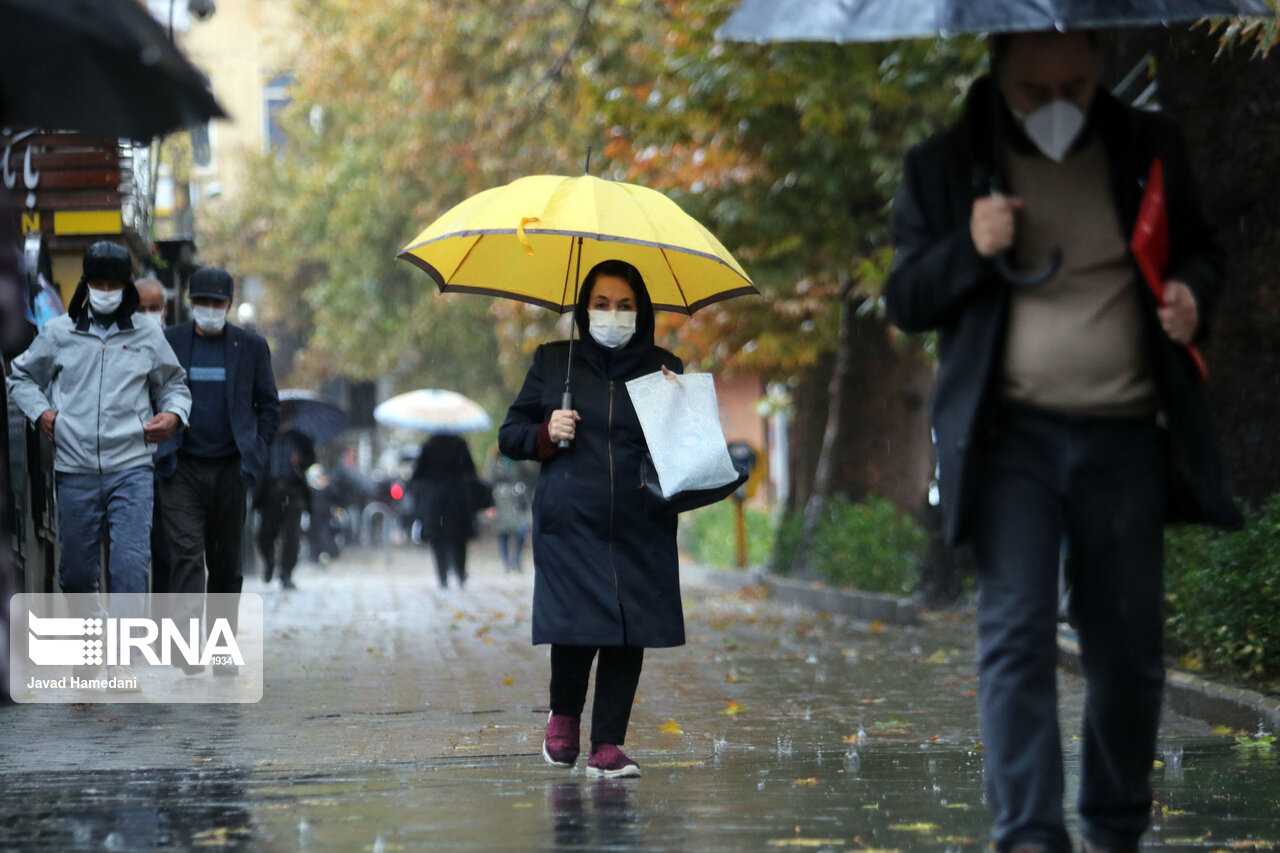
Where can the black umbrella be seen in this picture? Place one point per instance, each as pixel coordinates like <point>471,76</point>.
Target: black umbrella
<point>103,67</point>
<point>315,417</point>
<point>885,20</point>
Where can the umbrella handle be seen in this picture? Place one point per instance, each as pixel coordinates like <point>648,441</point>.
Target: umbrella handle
<point>1007,272</point>
<point>566,402</point>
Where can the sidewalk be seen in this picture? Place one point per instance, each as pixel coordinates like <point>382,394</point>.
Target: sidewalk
<point>397,716</point>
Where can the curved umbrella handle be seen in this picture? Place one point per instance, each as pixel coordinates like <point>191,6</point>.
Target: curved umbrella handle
<point>1036,279</point>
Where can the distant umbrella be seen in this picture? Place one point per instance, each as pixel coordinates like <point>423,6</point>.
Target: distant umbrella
<point>433,410</point>
<point>103,67</point>
<point>317,418</point>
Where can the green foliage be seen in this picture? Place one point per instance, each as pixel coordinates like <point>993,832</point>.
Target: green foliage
<point>1222,595</point>
<point>710,536</point>
<point>872,546</point>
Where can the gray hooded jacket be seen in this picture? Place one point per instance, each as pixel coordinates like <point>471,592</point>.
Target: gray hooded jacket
<point>102,391</point>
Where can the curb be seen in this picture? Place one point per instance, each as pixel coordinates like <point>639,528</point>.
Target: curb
<point>816,595</point>
<point>1185,693</point>
<point>1193,696</point>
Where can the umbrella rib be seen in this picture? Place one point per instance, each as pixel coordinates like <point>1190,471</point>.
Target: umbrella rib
<point>684,297</point>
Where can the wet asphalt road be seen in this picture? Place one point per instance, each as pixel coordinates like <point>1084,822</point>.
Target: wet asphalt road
<point>397,716</point>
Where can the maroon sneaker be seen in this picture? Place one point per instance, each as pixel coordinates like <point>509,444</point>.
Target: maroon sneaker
<point>561,744</point>
<point>609,762</point>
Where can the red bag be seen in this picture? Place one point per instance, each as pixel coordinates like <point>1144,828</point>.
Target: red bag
<point>1150,244</point>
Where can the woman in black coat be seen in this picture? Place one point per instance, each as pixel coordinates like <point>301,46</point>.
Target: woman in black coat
<point>606,575</point>
<point>442,482</point>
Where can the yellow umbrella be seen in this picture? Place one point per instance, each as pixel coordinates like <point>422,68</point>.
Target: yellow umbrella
<point>529,240</point>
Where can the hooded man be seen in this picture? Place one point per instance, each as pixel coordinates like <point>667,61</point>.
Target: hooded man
<point>88,382</point>
<point>205,472</point>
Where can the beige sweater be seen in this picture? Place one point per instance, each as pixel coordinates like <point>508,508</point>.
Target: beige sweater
<point>1074,345</point>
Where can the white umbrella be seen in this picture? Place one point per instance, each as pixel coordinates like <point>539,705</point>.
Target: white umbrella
<point>433,410</point>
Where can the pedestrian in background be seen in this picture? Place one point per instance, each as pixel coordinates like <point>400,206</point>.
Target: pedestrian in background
<point>151,305</point>
<point>281,500</point>
<point>205,472</point>
<point>606,575</point>
<point>443,485</point>
<point>1069,409</point>
<point>88,382</point>
<point>512,484</point>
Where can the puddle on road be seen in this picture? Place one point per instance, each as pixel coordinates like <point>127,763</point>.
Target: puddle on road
<point>733,797</point>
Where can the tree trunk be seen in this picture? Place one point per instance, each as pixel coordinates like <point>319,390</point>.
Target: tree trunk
<point>1230,110</point>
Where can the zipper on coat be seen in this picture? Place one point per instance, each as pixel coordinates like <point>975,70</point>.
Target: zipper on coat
<point>102,374</point>
<point>612,567</point>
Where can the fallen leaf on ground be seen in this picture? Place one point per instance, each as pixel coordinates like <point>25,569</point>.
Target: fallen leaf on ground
<point>671,727</point>
<point>914,827</point>
<point>732,707</point>
<point>806,842</point>
<point>876,627</point>
<point>811,782</point>
<point>507,682</point>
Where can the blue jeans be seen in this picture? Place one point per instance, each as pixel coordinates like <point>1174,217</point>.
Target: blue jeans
<point>1100,484</point>
<point>91,506</point>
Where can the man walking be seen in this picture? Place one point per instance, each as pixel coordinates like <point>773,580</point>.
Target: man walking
<point>204,473</point>
<point>1065,411</point>
<point>88,382</point>
<point>281,500</point>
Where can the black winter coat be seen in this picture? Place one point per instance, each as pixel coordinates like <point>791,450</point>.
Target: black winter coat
<point>605,573</point>
<point>939,281</point>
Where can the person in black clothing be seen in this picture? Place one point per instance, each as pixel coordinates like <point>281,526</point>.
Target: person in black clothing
<point>606,573</point>
<point>1065,410</point>
<point>203,473</point>
<point>281,501</point>
<point>442,483</point>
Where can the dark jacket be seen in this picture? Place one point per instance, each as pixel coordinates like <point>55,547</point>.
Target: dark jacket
<point>605,573</point>
<point>940,282</point>
<point>252,401</point>
<point>443,483</point>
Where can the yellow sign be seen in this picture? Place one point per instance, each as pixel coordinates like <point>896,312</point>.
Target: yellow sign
<point>30,222</point>
<point>87,222</point>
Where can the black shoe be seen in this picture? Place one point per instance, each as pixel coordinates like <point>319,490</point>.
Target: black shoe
<point>267,575</point>
<point>286,583</point>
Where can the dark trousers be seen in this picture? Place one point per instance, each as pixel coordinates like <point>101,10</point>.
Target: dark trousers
<point>281,520</point>
<point>1099,484</point>
<point>203,514</point>
<point>451,556</point>
<point>617,675</point>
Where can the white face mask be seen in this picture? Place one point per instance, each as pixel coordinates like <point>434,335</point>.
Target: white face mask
<point>210,320</point>
<point>156,317</point>
<point>612,329</point>
<point>1053,127</point>
<point>105,301</point>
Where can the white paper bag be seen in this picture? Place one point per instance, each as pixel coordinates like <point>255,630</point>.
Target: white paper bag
<point>681,424</point>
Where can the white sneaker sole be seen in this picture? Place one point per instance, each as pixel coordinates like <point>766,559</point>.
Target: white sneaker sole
<point>546,756</point>
<point>631,771</point>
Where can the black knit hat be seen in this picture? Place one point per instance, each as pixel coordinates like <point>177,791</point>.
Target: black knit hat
<point>211,283</point>
<point>107,261</point>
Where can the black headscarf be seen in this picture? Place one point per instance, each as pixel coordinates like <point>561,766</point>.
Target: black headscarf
<point>625,359</point>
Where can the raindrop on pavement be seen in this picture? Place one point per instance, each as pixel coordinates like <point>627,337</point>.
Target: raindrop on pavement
<point>114,841</point>
<point>719,744</point>
<point>379,846</point>
<point>304,833</point>
<point>784,746</point>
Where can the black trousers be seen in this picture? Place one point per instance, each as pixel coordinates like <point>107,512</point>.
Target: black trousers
<point>203,515</point>
<point>451,556</point>
<point>1097,487</point>
<point>281,520</point>
<point>617,675</point>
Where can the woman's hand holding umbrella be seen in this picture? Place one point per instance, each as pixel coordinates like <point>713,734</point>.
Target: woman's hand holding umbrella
<point>561,426</point>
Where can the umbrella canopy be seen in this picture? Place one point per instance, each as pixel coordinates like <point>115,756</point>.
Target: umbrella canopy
<point>103,67</point>
<point>433,410</point>
<point>307,412</point>
<point>519,241</point>
<point>884,20</point>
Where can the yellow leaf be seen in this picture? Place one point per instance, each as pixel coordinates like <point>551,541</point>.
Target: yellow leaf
<point>731,708</point>
<point>853,738</point>
<point>806,842</point>
<point>937,657</point>
<point>914,827</point>
<point>671,727</point>
<point>811,782</point>
<point>733,679</point>
<point>877,627</point>
<point>507,682</point>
